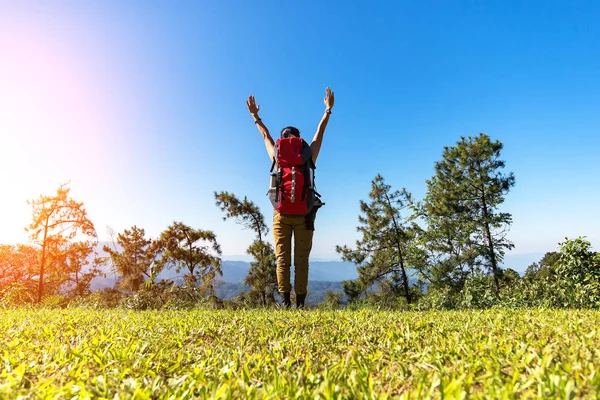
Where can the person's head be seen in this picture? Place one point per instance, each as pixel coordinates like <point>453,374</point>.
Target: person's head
<point>290,131</point>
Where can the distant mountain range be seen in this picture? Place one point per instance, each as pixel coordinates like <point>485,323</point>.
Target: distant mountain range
<point>323,276</point>
<point>236,271</point>
<point>331,272</point>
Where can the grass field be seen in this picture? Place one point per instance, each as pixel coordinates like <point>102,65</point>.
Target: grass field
<point>85,353</point>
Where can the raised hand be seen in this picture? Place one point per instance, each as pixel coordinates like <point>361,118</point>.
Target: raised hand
<point>252,107</point>
<point>329,98</point>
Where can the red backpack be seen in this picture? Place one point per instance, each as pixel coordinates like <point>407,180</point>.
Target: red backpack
<point>292,190</point>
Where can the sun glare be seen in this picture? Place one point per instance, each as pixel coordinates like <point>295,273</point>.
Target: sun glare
<point>48,123</point>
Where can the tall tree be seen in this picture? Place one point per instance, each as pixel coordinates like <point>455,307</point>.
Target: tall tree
<point>262,277</point>
<point>195,250</point>
<point>465,193</point>
<point>388,244</point>
<point>132,256</point>
<point>57,219</point>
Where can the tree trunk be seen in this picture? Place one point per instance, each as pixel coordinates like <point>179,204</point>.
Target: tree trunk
<point>490,246</point>
<point>405,280</point>
<point>489,235</point>
<point>78,289</point>
<point>262,262</point>
<point>399,248</point>
<point>44,245</point>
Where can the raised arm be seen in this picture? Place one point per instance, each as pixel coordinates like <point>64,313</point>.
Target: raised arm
<point>315,146</point>
<point>269,143</point>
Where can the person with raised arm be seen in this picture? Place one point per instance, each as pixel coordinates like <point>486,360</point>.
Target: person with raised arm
<point>294,197</point>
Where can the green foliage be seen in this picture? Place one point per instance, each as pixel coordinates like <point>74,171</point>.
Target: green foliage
<point>439,298</point>
<point>569,278</point>
<point>194,250</point>
<point>132,257</point>
<point>452,242</point>
<point>465,229</point>
<point>478,292</point>
<point>55,301</point>
<point>380,301</point>
<point>57,221</point>
<point>579,272</point>
<point>566,279</point>
<point>86,353</point>
<point>333,301</point>
<point>244,212</point>
<point>387,248</point>
<point>109,297</point>
<point>545,268</point>
<point>18,272</point>
<point>73,260</point>
<point>16,293</point>
<point>449,255</point>
<point>262,277</point>
<point>162,295</point>
<point>353,289</point>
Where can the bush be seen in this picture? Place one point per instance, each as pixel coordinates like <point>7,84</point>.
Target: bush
<point>16,294</point>
<point>106,298</point>
<point>579,272</point>
<point>169,296</point>
<point>438,299</point>
<point>333,301</point>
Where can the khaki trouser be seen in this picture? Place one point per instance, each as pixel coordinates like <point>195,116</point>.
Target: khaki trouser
<point>284,227</point>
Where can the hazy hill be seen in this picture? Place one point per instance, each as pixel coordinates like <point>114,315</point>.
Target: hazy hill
<point>330,273</point>
<point>236,271</point>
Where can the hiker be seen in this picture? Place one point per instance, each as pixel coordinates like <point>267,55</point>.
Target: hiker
<point>294,198</point>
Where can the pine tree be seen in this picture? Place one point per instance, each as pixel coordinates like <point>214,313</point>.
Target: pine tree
<point>262,277</point>
<point>387,248</point>
<point>461,207</point>
<point>194,250</point>
<point>58,220</point>
<point>132,256</point>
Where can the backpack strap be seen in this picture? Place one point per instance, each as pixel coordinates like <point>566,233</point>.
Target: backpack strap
<point>313,167</point>
<point>276,147</point>
<point>309,170</point>
<point>278,175</point>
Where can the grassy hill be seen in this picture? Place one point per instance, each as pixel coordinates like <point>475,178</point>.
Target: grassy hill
<point>81,353</point>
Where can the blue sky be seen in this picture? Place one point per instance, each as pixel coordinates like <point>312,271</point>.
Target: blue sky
<point>141,105</point>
